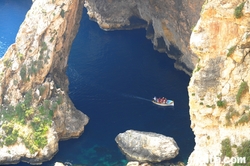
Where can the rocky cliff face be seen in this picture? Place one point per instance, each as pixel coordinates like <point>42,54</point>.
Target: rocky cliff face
<point>168,23</point>
<point>36,111</point>
<point>219,87</point>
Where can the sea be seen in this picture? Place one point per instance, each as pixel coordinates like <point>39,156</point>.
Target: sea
<point>113,77</point>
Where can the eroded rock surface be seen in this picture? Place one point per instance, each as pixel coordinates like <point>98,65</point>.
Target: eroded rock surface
<point>219,87</point>
<point>168,23</point>
<point>36,111</point>
<point>147,146</point>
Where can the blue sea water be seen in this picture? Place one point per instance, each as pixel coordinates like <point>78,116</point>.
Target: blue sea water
<point>113,77</point>
<point>12,13</point>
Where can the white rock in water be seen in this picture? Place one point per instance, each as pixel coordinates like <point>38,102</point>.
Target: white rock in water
<point>147,146</point>
<point>59,164</point>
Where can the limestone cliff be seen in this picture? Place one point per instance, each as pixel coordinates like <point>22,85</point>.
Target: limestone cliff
<point>168,23</point>
<point>35,109</point>
<point>219,87</point>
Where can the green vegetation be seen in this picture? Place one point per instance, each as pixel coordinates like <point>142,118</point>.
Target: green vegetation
<point>11,134</point>
<point>12,138</point>
<point>242,90</point>
<point>60,99</point>
<point>62,13</point>
<point>36,65</point>
<point>230,114</point>
<point>238,10</point>
<point>42,89</point>
<point>226,149</point>
<point>243,119</point>
<point>36,122</point>
<point>210,106</point>
<point>20,55</point>
<point>39,65</point>
<point>28,98</point>
<point>46,59</point>
<point>192,28</point>
<point>42,56</point>
<point>53,34</point>
<point>244,151</point>
<point>197,68</point>
<point>231,50</point>
<point>219,96</point>
<point>23,72</point>
<point>247,36</point>
<point>51,40</point>
<point>15,82</point>
<point>54,106</point>
<point>203,6</point>
<point>7,62</point>
<point>44,47</point>
<point>221,103</point>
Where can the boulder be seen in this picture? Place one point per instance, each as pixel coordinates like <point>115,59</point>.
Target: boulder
<point>133,163</point>
<point>136,163</point>
<point>147,146</point>
<point>59,164</point>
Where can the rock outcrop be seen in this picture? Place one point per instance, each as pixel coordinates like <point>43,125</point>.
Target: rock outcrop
<point>136,163</point>
<point>35,109</point>
<point>59,164</point>
<point>219,87</point>
<point>147,146</point>
<point>168,23</point>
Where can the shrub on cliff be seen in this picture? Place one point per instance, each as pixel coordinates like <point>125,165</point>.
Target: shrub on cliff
<point>11,139</point>
<point>221,103</point>
<point>244,119</point>
<point>23,72</point>
<point>238,10</point>
<point>244,151</point>
<point>231,50</point>
<point>242,90</point>
<point>230,114</point>
<point>226,149</point>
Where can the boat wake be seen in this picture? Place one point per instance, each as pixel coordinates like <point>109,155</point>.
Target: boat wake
<point>76,77</point>
<point>135,97</point>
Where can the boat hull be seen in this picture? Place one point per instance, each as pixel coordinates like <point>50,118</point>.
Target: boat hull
<point>169,103</point>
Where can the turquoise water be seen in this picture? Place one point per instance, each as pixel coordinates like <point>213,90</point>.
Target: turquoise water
<point>113,76</point>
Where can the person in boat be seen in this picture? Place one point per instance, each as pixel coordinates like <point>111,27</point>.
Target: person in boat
<point>155,99</point>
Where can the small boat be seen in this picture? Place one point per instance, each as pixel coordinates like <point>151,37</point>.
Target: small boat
<point>163,101</point>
